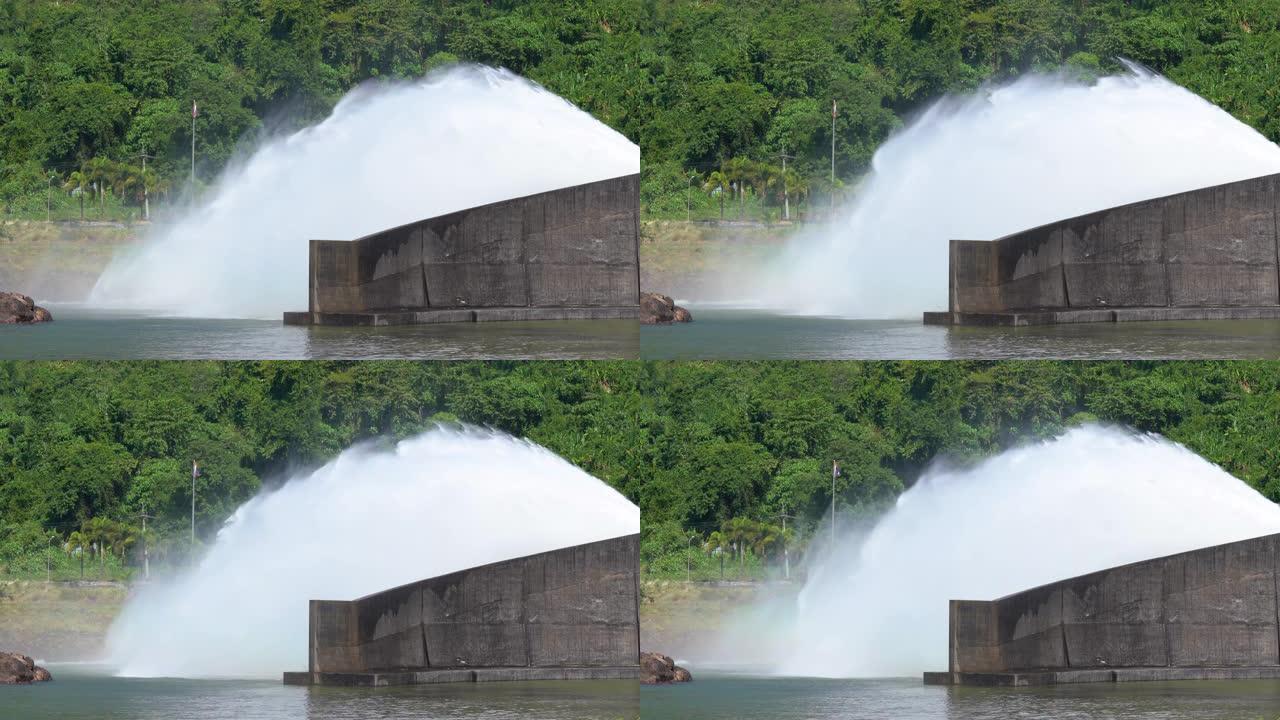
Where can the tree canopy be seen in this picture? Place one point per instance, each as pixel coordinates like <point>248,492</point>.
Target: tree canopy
<point>694,83</point>
<point>701,447</point>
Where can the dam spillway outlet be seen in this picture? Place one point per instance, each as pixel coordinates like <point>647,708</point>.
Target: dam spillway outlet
<point>566,254</point>
<point>1207,254</point>
<point>567,614</point>
<point>1205,614</point>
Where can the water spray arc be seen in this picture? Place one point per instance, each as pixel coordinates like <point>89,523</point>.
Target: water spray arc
<point>1007,158</point>
<point>388,155</point>
<point>876,604</point>
<point>370,519</point>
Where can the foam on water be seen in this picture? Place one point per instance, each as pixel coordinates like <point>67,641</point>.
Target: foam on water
<point>369,520</point>
<point>386,156</point>
<point>1004,159</point>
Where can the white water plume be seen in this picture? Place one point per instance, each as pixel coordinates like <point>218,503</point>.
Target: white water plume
<point>1005,159</point>
<point>369,520</point>
<point>386,156</point>
<point>1092,498</point>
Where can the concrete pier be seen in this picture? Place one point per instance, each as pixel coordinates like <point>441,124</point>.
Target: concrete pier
<point>568,614</point>
<point>1207,254</point>
<point>1205,614</point>
<point>566,254</point>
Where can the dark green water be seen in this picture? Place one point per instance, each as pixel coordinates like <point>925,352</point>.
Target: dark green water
<point>77,333</point>
<point>711,697</point>
<point>721,333</point>
<point>79,693</point>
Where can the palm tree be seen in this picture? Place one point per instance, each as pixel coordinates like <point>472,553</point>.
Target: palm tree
<point>794,184</point>
<point>100,171</point>
<point>716,184</point>
<point>741,532</point>
<point>740,171</point>
<point>153,184</point>
<point>128,182</point>
<point>77,182</point>
<point>717,542</point>
<point>103,534</point>
<point>753,174</point>
<point>767,539</point>
<point>75,546</point>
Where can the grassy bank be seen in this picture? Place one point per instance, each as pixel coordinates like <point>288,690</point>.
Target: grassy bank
<point>678,617</point>
<point>58,620</point>
<point>58,260</point>
<point>705,260</point>
<point>62,260</point>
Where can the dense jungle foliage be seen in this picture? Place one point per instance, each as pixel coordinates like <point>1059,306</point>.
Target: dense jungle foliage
<point>714,453</point>
<point>713,92</point>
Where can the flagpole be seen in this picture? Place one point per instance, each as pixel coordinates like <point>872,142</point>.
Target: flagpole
<point>194,471</point>
<point>835,469</point>
<point>833,154</point>
<point>195,112</point>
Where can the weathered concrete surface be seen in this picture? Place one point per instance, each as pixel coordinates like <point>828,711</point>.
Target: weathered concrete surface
<point>568,613</point>
<point>430,677</point>
<point>1208,613</point>
<point>1025,318</point>
<point>553,252</point>
<point>1039,678</point>
<point>430,317</point>
<point>1194,252</point>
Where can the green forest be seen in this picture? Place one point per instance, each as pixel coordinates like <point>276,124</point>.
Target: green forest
<point>715,93</point>
<point>714,453</point>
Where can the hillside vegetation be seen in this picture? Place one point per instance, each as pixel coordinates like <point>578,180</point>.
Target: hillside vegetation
<point>713,92</point>
<point>713,453</point>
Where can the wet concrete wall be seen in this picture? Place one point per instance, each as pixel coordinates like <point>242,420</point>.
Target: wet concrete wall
<point>1213,247</point>
<point>1214,607</point>
<point>573,607</point>
<point>572,247</point>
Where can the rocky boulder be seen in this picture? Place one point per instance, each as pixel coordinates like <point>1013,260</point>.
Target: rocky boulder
<point>658,309</point>
<point>17,308</point>
<point>658,669</point>
<point>18,669</point>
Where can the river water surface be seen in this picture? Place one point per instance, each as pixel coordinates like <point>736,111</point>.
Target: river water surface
<point>81,333</point>
<point>81,692</point>
<point>721,333</point>
<point>729,697</point>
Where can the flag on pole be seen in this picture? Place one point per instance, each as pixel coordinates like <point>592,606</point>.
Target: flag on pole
<point>833,109</point>
<point>195,111</point>
<point>195,470</point>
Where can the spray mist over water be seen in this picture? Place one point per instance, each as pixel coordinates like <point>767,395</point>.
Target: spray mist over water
<point>388,155</point>
<point>983,166</point>
<point>1090,499</point>
<point>367,521</point>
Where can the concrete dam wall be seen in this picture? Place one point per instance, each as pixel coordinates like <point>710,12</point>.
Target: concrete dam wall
<point>1209,613</point>
<point>571,613</point>
<point>571,253</point>
<point>1206,254</point>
